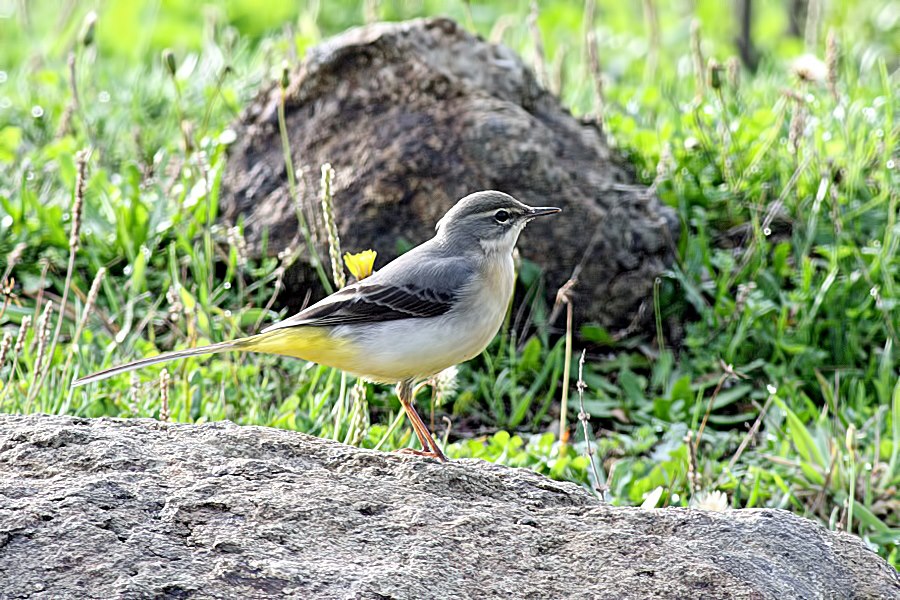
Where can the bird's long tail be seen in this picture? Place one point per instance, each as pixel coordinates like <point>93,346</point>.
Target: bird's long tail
<point>315,344</point>
<point>240,344</point>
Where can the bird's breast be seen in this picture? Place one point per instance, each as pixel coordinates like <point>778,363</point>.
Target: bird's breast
<point>482,308</point>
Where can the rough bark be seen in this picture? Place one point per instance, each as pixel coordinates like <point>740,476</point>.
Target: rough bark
<point>416,115</point>
<point>107,508</point>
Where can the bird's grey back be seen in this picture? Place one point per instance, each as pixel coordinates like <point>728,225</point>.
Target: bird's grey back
<point>431,264</point>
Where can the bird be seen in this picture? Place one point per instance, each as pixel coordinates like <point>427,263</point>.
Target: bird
<point>438,305</point>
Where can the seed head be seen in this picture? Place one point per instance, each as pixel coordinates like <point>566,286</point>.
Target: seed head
<point>808,68</point>
<point>798,123</point>
<point>78,202</point>
<point>168,58</point>
<point>285,75</point>
<point>714,74</point>
<point>43,333</point>
<point>236,240</point>
<point>4,347</point>
<point>88,28</point>
<point>334,239</point>
<point>23,331</point>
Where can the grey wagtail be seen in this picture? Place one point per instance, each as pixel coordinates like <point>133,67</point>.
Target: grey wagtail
<point>438,305</point>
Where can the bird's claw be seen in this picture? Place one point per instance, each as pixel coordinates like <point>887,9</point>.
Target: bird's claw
<point>422,453</point>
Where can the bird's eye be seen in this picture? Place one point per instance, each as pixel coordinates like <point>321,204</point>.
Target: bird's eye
<point>502,216</point>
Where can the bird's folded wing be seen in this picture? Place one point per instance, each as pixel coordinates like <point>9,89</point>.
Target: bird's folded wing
<point>372,304</point>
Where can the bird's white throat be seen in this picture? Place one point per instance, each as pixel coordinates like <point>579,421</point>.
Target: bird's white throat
<point>503,244</point>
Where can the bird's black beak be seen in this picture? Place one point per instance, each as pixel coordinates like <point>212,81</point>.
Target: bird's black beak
<point>540,211</point>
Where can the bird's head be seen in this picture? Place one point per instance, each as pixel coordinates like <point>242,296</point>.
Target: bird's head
<point>488,220</point>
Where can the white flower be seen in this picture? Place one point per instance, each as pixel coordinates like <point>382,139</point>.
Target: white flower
<point>445,382</point>
<point>715,500</point>
<point>809,67</point>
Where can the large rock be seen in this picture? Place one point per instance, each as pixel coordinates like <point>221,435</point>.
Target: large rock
<point>140,509</point>
<point>416,115</point>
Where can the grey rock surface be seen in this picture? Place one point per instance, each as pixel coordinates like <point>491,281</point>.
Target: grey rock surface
<point>105,508</point>
<point>414,116</point>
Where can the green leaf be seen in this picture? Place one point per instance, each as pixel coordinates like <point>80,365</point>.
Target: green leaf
<point>10,138</point>
<point>801,438</point>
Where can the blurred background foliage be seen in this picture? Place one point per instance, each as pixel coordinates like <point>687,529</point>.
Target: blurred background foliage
<point>772,377</point>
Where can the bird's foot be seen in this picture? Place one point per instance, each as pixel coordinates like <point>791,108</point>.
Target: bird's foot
<point>438,455</point>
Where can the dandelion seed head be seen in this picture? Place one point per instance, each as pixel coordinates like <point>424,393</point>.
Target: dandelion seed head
<point>810,68</point>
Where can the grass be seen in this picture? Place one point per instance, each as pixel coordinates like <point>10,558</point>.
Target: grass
<point>773,373</point>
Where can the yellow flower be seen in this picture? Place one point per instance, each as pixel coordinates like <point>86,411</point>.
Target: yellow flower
<point>361,264</point>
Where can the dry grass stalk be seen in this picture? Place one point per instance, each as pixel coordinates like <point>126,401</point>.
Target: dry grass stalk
<point>832,57</point>
<point>286,258</point>
<point>339,277</point>
<point>590,43</point>
<point>651,16</point>
<point>813,16</point>
<point>733,66</point>
<point>81,158</point>
<point>850,445</point>
<point>12,259</point>
<point>72,106</point>
<point>6,290</point>
<point>133,394</point>
<point>557,70</point>
<point>728,372</point>
<point>43,336</point>
<point>540,61</point>
<point>697,60</point>
<point>85,313</point>
<point>503,24</point>
<point>823,491</point>
<point>293,188</point>
<point>797,125</point>
<point>334,238</point>
<point>564,296</point>
<point>237,241</point>
<point>580,385</point>
<point>164,395</point>
<point>5,345</point>
<point>17,352</point>
<point>23,332</point>
<point>692,475</point>
<point>715,75</point>
<point>359,415</point>
<point>370,11</point>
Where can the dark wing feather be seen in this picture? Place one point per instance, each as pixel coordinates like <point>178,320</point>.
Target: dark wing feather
<point>403,289</point>
<point>372,303</point>
<point>381,303</point>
